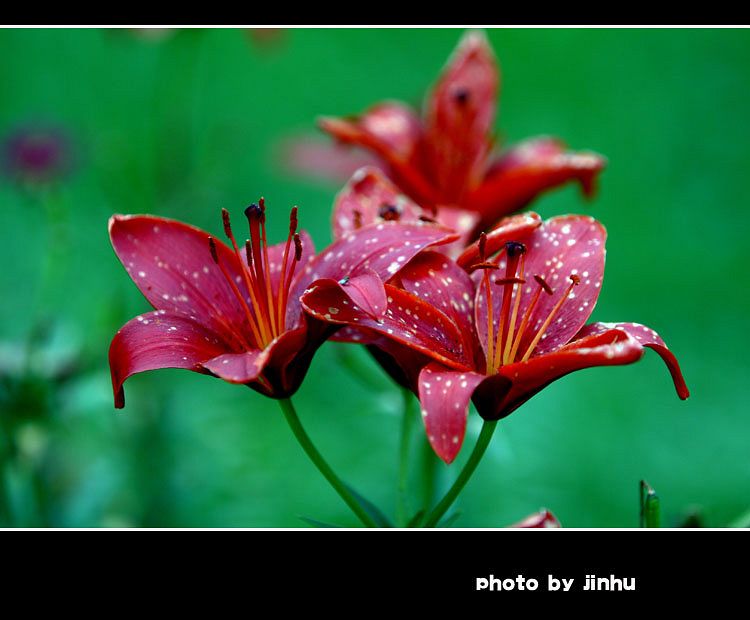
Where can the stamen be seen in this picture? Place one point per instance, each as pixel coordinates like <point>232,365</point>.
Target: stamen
<point>574,281</point>
<point>488,292</point>
<point>245,275</point>
<point>543,286</point>
<point>267,271</point>
<point>292,231</point>
<point>235,290</point>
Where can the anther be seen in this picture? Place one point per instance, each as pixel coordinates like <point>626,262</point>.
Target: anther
<point>510,281</point>
<point>389,212</point>
<point>482,246</point>
<point>543,283</point>
<point>297,247</point>
<point>462,96</point>
<point>293,223</point>
<point>212,248</point>
<point>576,280</point>
<point>227,223</point>
<point>484,265</point>
<point>357,219</point>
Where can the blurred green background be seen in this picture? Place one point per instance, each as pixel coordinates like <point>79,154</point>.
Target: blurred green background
<point>184,124</point>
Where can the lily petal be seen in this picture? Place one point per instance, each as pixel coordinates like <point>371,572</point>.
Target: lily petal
<point>514,384</point>
<point>440,282</point>
<point>391,129</point>
<point>160,339</point>
<point>170,263</point>
<point>648,338</point>
<point>408,320</point>
<point>460,116</point>
<point>513,228</point>
<point>241,367</point>
<point>383,248</point>
<point>528,169</point>
<point>444,395</point>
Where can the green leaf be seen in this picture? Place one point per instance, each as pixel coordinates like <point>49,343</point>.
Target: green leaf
<point>371,509</point>
<point>316,523</point>
<point>450,519</point>
<point>414,521</point>
<point>650,508</point>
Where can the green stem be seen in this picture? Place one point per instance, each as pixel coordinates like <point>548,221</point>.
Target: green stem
<point>488,428</point>
<point>307,445</point>
<point>407,424</point>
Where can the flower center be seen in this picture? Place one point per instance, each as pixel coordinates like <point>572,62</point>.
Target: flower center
<point>503,348</point>
<point>267,320</point>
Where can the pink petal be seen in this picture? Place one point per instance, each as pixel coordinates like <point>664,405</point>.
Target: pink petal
<point>541,519</point>
<point>408,320</point>
<point>444,395</point>
<point>648,338</point>
<point>460,116</point>
<point>527,170</point>
<point>170,262</point>
<point>156,340</point>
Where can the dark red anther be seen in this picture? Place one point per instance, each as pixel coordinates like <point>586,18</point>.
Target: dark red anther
<point>482,246</point>
<point>212,248</point>
<point>357,219</point>
<point>543,283</point>
<point>462,96</point>
<point>248,253</point>
<point>227,223</point>
<point>576,280</point>
<point>293,223</point>
<point>297,247</point>
<point>510,281</point>
<point>389,212</point>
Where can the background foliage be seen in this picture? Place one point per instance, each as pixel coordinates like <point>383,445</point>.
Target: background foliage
<point>183,125</point>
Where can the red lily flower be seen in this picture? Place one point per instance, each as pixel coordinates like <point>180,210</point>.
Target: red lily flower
<point>445,158</point>
<point>538,520</point>
<point>498,339</point>
<point>234,312</point>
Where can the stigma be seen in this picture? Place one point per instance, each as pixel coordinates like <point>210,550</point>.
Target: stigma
<point>266,296</point>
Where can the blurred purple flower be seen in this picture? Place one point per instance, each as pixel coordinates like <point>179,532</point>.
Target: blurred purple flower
<point>37,154</point>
